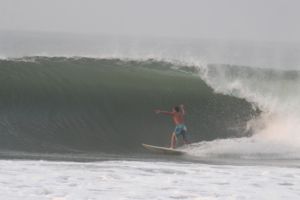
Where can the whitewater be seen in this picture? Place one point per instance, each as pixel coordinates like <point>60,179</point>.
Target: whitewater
<point>73,118</point>
<point>145,180</point>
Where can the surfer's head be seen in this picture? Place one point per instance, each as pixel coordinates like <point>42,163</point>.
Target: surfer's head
<point>176,109</point>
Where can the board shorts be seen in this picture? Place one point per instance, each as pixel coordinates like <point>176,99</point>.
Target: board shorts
<point>180,129</point>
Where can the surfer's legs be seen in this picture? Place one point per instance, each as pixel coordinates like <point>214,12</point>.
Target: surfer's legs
<point>173,140</point>
<point>180,130</point>
<point>185,138</point>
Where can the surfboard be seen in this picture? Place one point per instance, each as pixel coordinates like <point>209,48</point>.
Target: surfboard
<point>162,150</point>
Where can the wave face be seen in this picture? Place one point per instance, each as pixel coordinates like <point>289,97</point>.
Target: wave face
<point>62,104</point>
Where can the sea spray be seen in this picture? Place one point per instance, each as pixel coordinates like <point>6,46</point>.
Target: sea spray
<point>276,94</point>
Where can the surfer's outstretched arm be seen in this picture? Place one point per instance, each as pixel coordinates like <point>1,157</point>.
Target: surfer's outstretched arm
<point>164,112</point>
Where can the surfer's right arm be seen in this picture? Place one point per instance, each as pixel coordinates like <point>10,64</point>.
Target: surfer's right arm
<point>164,112</point>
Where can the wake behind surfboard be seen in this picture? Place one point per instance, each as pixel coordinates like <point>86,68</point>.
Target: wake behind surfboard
<point>163,150</point>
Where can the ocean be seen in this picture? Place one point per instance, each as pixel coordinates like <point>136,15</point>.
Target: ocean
<point>74,111</point>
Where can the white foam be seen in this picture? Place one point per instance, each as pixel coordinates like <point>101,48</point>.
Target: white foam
<point>110,180</point>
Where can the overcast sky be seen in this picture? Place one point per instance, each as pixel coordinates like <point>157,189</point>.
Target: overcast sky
<point>263,20</point>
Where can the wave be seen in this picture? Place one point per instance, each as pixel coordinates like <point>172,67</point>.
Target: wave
<point>66,104</point>
<point>60,104</point>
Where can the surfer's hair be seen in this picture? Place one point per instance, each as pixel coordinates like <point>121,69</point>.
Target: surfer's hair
<point>176,108</point>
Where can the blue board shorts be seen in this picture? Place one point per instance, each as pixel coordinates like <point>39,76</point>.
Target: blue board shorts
<point>180,129</point>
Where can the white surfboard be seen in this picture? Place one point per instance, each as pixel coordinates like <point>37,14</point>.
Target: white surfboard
<point>163,150</point>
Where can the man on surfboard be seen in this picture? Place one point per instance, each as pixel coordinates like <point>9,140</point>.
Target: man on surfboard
<point>177,114</point>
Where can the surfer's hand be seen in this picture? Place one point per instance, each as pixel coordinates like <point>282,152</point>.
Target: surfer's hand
<point>157,111</point>
<point>181,105</point>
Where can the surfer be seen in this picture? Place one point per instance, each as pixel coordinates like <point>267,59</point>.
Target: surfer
<point>177,114</point>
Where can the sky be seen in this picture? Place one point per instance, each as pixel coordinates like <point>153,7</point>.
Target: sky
<point>259,20</point>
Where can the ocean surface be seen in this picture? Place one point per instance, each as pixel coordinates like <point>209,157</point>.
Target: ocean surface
<point>75,110</point>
